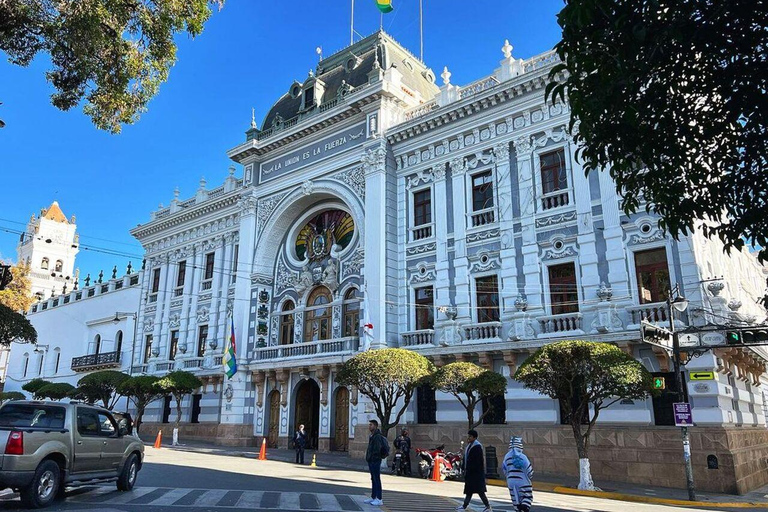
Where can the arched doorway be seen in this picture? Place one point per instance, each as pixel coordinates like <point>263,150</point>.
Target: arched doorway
<point>274,419</point>
<point>307,411</point>
<point>341,420</point>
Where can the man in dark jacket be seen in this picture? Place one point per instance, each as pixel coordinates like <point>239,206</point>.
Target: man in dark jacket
<point>378,449</point>
<point>403,443</point>
<point>300,442</point>
<point>474,472</point>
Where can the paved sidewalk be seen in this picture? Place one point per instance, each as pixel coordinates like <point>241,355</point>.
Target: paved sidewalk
<point>546,483</point>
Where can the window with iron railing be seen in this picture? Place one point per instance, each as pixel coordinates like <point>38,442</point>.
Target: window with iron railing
<point>563,292</point>
<point>174,345</point>
<point>487,294</point>
<point>202,337</point>
<point>425,308</point>
<point>351,312</point>
<point>209,261</point>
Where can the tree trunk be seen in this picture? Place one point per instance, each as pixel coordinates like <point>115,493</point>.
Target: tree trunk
<point>178,421</point>
<point>470,417</point>
<point>582,448</point>
<point>139,415</point>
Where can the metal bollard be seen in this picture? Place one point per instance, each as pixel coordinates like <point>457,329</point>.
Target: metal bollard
<point>491,463</point>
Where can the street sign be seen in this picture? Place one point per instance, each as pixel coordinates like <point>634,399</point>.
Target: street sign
<point>683,415</point>
<point>701,375</point>
<point>713,338</point>
<point>689,340</point>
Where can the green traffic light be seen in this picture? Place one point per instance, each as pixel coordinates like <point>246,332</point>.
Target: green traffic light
<point>733,337</point>
<point>659,383</point>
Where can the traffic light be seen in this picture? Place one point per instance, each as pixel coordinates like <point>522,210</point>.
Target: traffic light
<point>651,332</point>
<point>659,383</point>
<point>754,336</point>
<point>733,338</point>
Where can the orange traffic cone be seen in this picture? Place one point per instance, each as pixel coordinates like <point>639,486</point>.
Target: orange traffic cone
<point>436,476</point>
<point>159,440</point>
<point>263,451</point>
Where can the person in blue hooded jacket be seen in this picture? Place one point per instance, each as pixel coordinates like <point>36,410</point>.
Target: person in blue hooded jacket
<point>518,472</point>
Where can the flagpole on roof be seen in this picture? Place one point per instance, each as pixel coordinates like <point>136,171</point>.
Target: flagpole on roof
<point>352,25</point>
<point>421,28</point>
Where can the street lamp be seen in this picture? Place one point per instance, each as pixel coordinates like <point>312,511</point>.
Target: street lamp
<point>680,304</point>
<point>39,347</point>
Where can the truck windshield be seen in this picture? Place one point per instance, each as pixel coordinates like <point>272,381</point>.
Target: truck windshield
<point>32,415</point>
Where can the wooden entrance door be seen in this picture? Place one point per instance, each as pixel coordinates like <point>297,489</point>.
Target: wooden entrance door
<point>341,420</point>
<point>308,411</point>
<point>274,419</point>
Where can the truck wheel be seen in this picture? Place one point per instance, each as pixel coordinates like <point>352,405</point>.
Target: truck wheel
<point>44,487</point>
<point>128,476</point>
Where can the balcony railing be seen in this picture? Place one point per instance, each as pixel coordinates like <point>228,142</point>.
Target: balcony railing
<point>655,312</point>
<point>555,200</point>
<point>178,292</point>
<point>311,349</point>
<point>139,368</point>
<point>483,217</point>
<point>563,324</point>
<point>164,367</point>
<point>418,338</point>
<point>153,297</point>
<point>206,285</point>
<point>218,361</point>
<point>421,232</point>
<point>96,361</point>
<point>196,362</point>
<point>486,331</point>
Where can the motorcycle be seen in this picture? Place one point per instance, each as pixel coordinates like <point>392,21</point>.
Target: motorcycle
<point>427,459</point>
<point>398,464</point>
<point>451,466</point>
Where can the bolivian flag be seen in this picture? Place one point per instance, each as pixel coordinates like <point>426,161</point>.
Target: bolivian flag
<point>230,355</point>
<point>384,6</point>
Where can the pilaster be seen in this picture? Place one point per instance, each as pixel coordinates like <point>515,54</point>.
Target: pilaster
<point>460,262</point>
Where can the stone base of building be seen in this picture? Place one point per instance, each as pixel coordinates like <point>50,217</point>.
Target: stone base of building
<point>644,455</point>
<point>217,433</point>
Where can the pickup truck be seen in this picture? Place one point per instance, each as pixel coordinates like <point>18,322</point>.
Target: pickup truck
<point>51,444</point>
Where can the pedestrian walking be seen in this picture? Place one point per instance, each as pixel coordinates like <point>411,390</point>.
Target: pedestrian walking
<point>518,472</point>
<point>474,472</point>
<point>300,442</point>
<point>378,450</point>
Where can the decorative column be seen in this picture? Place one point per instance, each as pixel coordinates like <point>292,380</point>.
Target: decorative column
<point>532,294</point>
<point>442,282</point>
<point>508,285</point>
<point>164,299</point>
<point>226,278</point>
<point>192,315</point>
<point>186,304</point>
<point>460,261</point>
<point>613,234</point>
<point>375,271</point>
<point>283,378</point>
<point>241,308</point>
<point>214,342</point>
<point>162,262</point>
<point>258,379</point>
<point>324,433</point>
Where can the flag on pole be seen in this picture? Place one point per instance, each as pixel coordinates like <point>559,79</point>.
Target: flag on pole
<point>230,355</point>
<point>384,6</point>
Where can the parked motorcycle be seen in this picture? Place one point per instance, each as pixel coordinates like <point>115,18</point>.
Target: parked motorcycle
<point>451,466</point>
<point>398,464</point>
<point>427,459</point>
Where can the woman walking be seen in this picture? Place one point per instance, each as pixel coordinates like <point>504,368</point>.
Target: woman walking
<point>518,471</point>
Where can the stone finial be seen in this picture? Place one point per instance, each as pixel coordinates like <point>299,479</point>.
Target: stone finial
<point>446,76</point>
<point>129,269</point>
<point>114,272</point>
<point>203,183</point>
<point>232,170</point>
<point>253,117</point>
<point>88,279</point>
<point>64,290</point>
<point>72,220</point>
<point>101,276</point>
<point>507,49</point>
<point>176,194</point>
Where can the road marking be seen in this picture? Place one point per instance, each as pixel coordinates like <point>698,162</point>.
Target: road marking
<point>250,499</point>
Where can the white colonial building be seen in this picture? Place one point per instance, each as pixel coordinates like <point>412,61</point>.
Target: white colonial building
<point>378,209</point>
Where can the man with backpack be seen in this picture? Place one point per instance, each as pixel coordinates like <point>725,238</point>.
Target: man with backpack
<point>378,450</point>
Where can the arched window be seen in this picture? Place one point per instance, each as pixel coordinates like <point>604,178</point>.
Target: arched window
<point>97,344</point>
<point>119,341</point>
<point>317,316</point>
<point>40,363</point>
<point>26,364</point>
<point>351,313</point>
<point>44,264</point>
<point>59,265</point>
<point>286,323</point>
<point>57,360</point>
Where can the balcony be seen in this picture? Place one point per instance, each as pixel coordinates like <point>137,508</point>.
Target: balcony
<point>192,364</point>
<point>555,199</point>
<point>479,333</point>
<point>96,362</point>
<point>139,368</point>
<point>654,312</point>
<point>152,298</point>
<point>206,285</point>
<point>418,338</point>
<point>482,218</point>
<point>310,349</point>
<point>178,292</point>
<point>164,367</point>
<point>564,324</point>
<point>421,232</point>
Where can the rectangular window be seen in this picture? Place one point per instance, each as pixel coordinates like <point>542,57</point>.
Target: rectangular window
<point>155,280</point>
<point>235,256</point>
<point>25,415</point>
<point>174,345</point>
<point>194,417</point>
<point>309,97</point>
<point>209,266</point>
<point>422,207</point>
<point>652,273</point>
<point>553,175</point>
<point>147,348</point>
<point>425,308</point>
<point>482,191</point>
<point>563,292</point>
<point>202,337</point>
<point>182,274</point>
<point>487,292</point>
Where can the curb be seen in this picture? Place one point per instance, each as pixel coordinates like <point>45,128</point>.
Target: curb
<point>559,489</point>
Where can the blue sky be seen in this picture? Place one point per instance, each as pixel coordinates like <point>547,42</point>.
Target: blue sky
<point>248,56</point>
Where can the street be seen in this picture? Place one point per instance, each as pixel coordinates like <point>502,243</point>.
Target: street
<point>177,480</point>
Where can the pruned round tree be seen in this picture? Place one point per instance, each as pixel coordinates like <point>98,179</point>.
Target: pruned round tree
<point>178,384</point>
<point>141,390</point>
<point>15,327</point>
<point>470,384</point>
<point>55,391</point>
<point>388,377</point>
<point>34,386</point>
<point>100,387</point>
<point>6,396</point>
<point>585,377</point>
<point>671,96</point>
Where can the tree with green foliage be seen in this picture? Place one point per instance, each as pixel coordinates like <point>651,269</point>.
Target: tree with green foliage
<point>100,387</point>
<point>585,377</point>
<point>178,384</point>
<point>470,384</point>
<point>14,327</point>
<point>18,294</point>
<point>142,390</point>
<point>114,55</point>
<point>34,386</point>
<point>55,391</point>
<point>388,377</point>
<point>670,94</point>
<point>6,396</point>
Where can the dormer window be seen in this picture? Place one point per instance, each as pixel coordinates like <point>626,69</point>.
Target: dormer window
<point>309,97</point>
